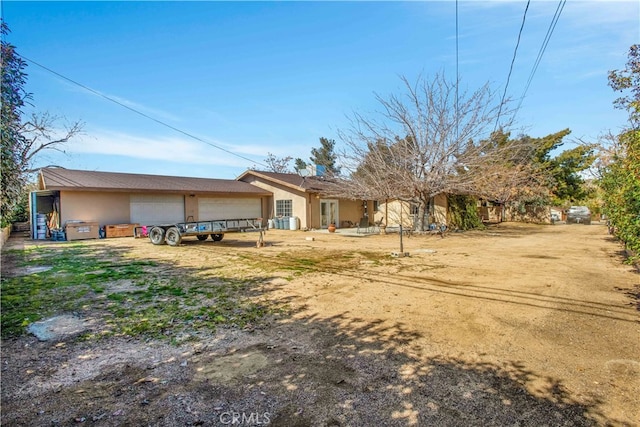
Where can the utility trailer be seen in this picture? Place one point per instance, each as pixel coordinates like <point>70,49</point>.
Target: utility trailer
<point>173,233</point>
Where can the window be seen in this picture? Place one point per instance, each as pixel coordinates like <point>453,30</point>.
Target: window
<point>376,206</point>
<point>284,207</point>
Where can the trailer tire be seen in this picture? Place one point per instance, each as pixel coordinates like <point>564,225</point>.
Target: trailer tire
<point>156,235</point>
<point>217,237</point>
<point>202,237</point>
<point>173,236</point>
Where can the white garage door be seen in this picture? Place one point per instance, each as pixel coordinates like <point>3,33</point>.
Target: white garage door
<point>228,208</point>
<point>151,209</point>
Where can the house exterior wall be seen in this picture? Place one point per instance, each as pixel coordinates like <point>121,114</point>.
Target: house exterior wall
<point>102,207</point>
<point>392,213</point>
<point>440,209</point>
<point>115,207</point>
<point>299,199</point>
<point>352,210</point>
<point>534,214</point>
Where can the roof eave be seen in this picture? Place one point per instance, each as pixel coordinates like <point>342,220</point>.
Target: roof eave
<point>272,179</point>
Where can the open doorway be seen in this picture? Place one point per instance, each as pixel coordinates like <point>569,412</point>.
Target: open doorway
<point>44,213</point>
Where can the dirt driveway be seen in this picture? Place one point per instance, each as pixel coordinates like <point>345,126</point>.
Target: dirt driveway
<point>514,325</point>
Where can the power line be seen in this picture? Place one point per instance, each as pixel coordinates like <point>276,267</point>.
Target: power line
<point>543,48</point>
<point>115,101</point>
<point>513,60</point>
<point>457,72</point>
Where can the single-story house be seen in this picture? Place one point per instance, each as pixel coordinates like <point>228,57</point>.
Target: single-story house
<point>304,197</point>
<point>124,198</point>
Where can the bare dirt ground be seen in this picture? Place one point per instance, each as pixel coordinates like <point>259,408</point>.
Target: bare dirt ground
<point>514,325</point>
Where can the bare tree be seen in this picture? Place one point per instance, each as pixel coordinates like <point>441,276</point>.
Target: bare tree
<point>427,142</point>
<point>22,140</point>
<point>40,133</point>
<point>509,173</point>
<point>278,164</point>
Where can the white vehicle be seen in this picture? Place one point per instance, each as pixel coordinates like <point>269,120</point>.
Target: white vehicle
<point>579,215</point>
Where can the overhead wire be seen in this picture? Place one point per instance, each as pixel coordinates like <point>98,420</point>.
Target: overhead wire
<point>543,48</point>
<point>513,60</point>
<point>115,101</point>
<point>457,72</point>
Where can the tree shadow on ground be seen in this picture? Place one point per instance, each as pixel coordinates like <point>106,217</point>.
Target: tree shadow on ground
<point>339,371</point>
<point>290,370</point>
<point>506,229</point>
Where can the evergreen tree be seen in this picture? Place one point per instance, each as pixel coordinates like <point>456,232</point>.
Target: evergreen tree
<point>14,97</point>
<point>300,164</point>
<point>325,156</point>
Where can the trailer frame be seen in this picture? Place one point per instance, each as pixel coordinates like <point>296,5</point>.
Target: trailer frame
<point>173,233</point>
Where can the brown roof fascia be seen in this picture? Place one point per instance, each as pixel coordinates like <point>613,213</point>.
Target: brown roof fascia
<point>74,180</point>
<point>272,179</point>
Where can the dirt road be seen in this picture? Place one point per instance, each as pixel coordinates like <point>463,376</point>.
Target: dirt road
<point>514,325</point>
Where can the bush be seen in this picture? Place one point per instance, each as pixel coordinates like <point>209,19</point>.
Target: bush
<point>463,212</point>
<point>621,185</point>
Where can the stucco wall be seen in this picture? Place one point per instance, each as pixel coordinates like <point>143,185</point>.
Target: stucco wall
<point>299,199</point>
<point>4,235</point>
<point>440,209</point>
<point>352,210</point>
<point>105,208</point>
<point>394,212</point>
<point>306,206</point>
<point>534,214</point>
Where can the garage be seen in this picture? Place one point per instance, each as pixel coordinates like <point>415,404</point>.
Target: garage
<point>210,208</point>
<point>112,198</point>
<point>156,208</point>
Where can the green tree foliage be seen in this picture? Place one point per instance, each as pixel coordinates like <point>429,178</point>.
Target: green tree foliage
<point>300,164</point>
<point>463,212</point>
<point>22,140</point>
<point>568,184</point>
<point>325,156</point>
<point>621,185</point>
<point>13,100</point>
<point>559,175</point>
<point>628,80</point>
<point>621,178</point>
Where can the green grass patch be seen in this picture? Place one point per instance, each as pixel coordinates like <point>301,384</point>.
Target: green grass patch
<point>133,297</point>
<point>138,297</point>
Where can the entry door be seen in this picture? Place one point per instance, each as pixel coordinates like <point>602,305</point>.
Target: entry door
<point>328,213</point>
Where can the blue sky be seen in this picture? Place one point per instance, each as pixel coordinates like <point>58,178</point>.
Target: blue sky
<point>273,77</point>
